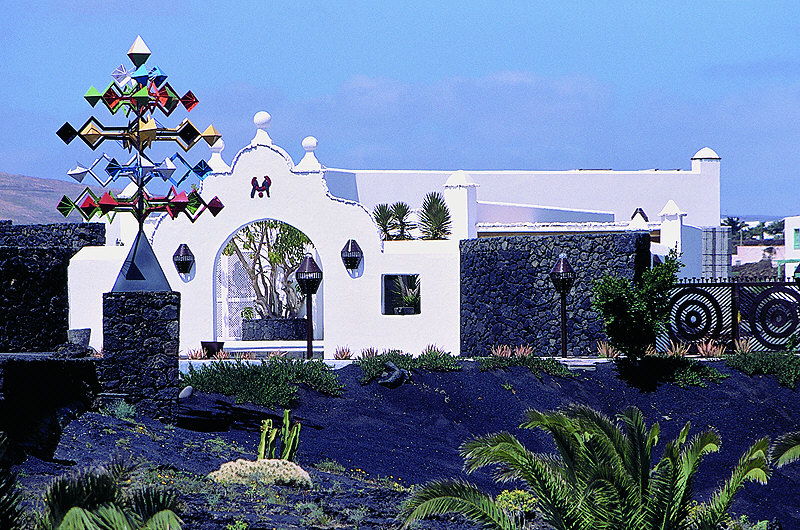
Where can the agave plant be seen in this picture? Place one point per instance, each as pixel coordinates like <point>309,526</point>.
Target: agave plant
<point>434,218</point>
<point>401,213</point>
<point>384,218</point>
<point>600,479</point>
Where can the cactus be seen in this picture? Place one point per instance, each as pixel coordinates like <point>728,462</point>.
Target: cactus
<point>266,447</point>
<point>290,438</point>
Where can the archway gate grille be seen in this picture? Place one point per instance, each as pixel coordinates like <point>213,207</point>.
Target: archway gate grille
<point>725,311</point>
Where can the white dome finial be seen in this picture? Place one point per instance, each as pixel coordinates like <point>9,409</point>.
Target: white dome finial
<point>309,163</point>
<point>216,163</point>
<point>262,120</point>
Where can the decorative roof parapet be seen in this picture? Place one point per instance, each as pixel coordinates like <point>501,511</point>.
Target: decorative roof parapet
<point>262,120</point>
<point>309,163</point>
<point>460,179</point>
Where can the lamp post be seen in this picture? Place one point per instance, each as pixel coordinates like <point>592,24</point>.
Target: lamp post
<point>563,277</point>
<point>308,277</point>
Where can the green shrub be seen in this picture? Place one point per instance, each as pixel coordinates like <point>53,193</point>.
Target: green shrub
<point>785,366</point>
<point>271,383</point>
<point>432,360</point>
<point>119,409</point>
<point>648,372</point>
<point>634,313</point>
<point>537,365</point>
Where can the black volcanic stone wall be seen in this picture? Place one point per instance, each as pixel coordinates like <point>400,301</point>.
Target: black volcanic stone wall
<point>33,282</point>
<point>74,236</point>
<point>140,350</point>
<point>507,296</point>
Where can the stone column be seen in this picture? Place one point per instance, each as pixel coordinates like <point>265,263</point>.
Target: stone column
<point>140,350</point>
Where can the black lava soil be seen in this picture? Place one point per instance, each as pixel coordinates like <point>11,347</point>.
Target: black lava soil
<point>389,439</point>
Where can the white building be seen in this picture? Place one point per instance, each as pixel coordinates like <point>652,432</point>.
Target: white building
<point>680,208</point>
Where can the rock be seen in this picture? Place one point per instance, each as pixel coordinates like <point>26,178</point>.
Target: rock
<point>265,471</point>
<point>393,376</point>
<point>186,392</point>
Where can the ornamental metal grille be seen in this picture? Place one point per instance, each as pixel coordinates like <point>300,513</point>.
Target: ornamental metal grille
<point>726,311</point>
<point>234,293</point>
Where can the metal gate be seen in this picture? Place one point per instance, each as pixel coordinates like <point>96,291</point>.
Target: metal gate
<point>726,311</point>
<point>234,292</point>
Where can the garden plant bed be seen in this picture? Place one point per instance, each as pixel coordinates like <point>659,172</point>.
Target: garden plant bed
<point>388,439</point>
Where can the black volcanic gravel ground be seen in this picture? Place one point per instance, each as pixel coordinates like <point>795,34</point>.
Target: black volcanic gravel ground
<point>411,435</point>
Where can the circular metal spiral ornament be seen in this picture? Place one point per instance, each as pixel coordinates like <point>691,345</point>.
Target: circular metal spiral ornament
<point>695,315</point>
<point>774,317</point>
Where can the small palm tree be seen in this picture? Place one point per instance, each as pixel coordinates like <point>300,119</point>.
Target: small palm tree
<point>385,220</point>
<point>10,509</point>
<point>95,500</point>
<point>401,213</point>
<point>600,479</point>
<point>434,218</point>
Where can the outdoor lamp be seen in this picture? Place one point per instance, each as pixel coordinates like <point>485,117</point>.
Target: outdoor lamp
<point>308,277</point>
<point>351,255</point>
<point>183,259</point>
<point>563,277</point>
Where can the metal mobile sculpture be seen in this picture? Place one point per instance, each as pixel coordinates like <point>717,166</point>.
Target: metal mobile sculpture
<point>139,92</point>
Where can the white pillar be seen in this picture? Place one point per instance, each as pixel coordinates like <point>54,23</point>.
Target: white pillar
<point>671,225</point>
<point>461,196</point>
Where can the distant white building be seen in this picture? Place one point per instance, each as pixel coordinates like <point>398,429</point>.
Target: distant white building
<point>680,209</point>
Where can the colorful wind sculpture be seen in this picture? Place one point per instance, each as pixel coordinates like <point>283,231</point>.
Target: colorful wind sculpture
<point>139,93</point>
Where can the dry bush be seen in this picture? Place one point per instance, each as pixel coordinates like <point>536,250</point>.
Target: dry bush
<point>342,353</point>
<point>369,353</point>
<point>523,350</point>
<point>650,350</point>
<point>710,349</point>
<point>744,345</point>
<point>604,349</point>
<point>195,354</point>
<point>222,355</point>
<point>501,350</point>
<point>245,356</point>
<point>677,349</point>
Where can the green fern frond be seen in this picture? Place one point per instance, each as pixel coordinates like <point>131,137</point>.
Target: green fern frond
<point>442,497</point>
<point>164,520</point>
<point>786,449</point>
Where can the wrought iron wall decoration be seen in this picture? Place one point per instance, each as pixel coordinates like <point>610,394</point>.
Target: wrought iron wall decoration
<point>260,188</point>
<point>138,93</point>
<point>726,311</point>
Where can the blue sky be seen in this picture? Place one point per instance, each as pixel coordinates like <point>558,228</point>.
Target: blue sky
<point>434,85</point>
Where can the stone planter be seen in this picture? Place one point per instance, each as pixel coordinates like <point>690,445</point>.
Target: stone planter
<point>211,348</point>
<point>274,329</point>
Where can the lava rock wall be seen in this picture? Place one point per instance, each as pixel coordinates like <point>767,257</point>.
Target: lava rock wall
<point>140,350</point>
<point>33,282</point>
<point>507,296</point>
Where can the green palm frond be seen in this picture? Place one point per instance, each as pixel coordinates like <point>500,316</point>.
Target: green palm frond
<point>435,221</point>
<point>383,217</point>
<point>442,497</point>
<point>786,449</point>
<point>76,519</point>
<point>164,520</point>
<point>752,466</point>
<point>10,508</point>
<point>147,502</point>
<point>112,517</point>
<point>401,212</point>
<point>88,489</point>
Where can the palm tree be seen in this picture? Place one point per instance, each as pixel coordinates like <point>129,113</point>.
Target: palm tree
<point>785,450</point>
<point>385,220</point>
<point>10,509</point>
<point>95,500</point>
<point>434,219</point>
<point>401,212</point>
<point>737,226</point>
<point>600,479</point>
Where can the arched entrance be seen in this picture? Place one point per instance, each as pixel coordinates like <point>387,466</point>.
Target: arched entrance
<point>254,280</point>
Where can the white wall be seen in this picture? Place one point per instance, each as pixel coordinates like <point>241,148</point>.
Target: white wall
<point>621,192</point>
<point>350,304</point>
<point>500,212</point>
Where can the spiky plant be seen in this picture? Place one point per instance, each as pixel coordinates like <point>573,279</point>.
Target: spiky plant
<point>785,450</point>
<point>95,499</point>
<point>600,479</point>
<point>434,218</point>
<point>384,218</point>
<point>401,212</point>
<point>10,509</point>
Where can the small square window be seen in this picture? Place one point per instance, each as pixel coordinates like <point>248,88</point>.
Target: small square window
<point>401,294</point>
